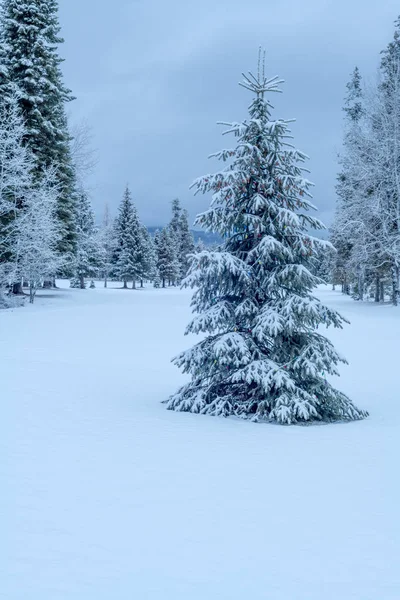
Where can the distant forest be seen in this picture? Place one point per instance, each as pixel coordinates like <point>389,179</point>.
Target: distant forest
<point>207,238</point>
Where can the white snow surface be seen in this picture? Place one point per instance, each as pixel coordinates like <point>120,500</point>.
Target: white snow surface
<point>108,496</point>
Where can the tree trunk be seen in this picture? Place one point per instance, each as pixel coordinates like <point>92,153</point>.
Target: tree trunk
<point>141,283</point>
<point>82,282</point>
<point>17,288</point>
<point>125,284</point>
<point>105,281</point>
<point>395,285</point>
<point>333,287</point>
<point>361,287</point>
<point>47,284</point>
<point>163,282</point>
<point>134,284</point>
<point>382,292</point>
<point>32,292</point>
<point>53,282</point>
<point>377,288</point>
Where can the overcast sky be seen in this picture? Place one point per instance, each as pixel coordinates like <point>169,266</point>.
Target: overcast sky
<point>152,78</point>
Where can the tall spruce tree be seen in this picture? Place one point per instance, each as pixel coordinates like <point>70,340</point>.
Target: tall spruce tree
<point>167,260</point>
<point>147,256</point>
<point>88,250</point>
<point>106,240</point>
<point>128,240</point>
<point>181,237</point>
<point>263,356</point>
<point>174,230</point>
<point>30,64</point>
<point>345,229</point>
<point>186,244</point>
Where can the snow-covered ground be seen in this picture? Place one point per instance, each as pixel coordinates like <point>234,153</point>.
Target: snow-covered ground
<point>108,496</point>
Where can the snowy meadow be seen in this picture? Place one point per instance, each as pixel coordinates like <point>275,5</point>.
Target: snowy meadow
<point>109,495</point>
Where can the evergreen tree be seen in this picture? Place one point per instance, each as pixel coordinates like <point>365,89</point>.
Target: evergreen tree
<point>167,261</point>
<point>128,240</point>
<point>186,244</point>
<point>175,234</point>
<point>200,246</point>
<point>263,356</point>
<point>87,247</point>
<point>175,223</point>
<point>345,230</point>
<point>147,256</point>
<point>156,245</point>
<point>30,65</point>
<point>181,237</point>
<point>106,243</point>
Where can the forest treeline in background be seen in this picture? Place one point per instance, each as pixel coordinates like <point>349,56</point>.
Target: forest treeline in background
<point>47,224</point>
<point>365,233</point>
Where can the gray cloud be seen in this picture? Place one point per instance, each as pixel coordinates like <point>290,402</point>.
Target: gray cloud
<point>153,77</point>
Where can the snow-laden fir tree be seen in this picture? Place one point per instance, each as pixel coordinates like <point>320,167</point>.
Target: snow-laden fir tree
<point>167,259</point>
<point>174,224</point>
<point>147,258</point>
<point>87,257</point>
<point>263,356</point>
<point>30,64</point>
<point>186,244</point>
<point>345,227</point>
<point>181,237</point>
<point>175,234</point>
<point>106,244</point>
<point>128,240</point>
<point>200,246</point>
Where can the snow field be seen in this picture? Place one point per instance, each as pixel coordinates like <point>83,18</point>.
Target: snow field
<point>110,496</point>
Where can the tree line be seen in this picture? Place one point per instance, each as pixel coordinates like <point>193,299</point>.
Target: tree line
<point>123,249</point>
<point>47,225</point>
<point>366,228</point>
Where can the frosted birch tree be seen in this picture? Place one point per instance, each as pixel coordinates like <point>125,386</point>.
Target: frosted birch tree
<point>36,234</point>
<point>16,163</point>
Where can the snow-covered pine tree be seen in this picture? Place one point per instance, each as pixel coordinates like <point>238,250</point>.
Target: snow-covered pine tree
<point>146,256</point>
<point>174,224</point>
<point>175,233</point>
<point>106,243</point>
<point>128,238</point>
<point>181,237</point>
<point>186,244</point>
<point>263,357</point>
<point>200,246</point>
<point>349,230</point>
<point>88,252</point>
<point>30,64</point>
<point>342,231</point>
<point>156,245</point>
<point>167,260</point>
